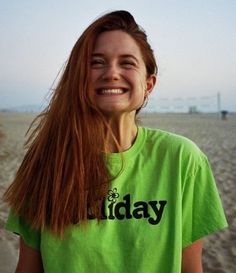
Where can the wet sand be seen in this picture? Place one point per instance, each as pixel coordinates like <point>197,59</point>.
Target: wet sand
<point>214,136</point>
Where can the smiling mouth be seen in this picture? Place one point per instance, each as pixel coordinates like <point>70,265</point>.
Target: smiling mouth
<point>113,91</point>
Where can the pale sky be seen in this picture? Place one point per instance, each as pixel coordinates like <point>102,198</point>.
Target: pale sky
<point>194,43</point>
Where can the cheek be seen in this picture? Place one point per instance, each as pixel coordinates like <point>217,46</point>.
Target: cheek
<point>95,73</point>
<point>142,73</point>
<point>136,76</point>
<point>140,80</point>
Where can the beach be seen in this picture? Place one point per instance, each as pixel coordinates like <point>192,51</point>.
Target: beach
<point>214,136</point>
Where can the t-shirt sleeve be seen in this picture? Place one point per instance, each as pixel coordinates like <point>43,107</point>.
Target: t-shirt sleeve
<point>202,211</point>
<point>17,224</point>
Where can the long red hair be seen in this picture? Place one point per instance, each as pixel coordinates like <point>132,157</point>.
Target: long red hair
<point>64,173</point>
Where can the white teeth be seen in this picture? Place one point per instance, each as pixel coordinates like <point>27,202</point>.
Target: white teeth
<point>111,91</point>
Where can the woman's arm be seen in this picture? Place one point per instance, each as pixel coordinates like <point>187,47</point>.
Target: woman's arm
<point>30,260</point>
<point>192,258</point>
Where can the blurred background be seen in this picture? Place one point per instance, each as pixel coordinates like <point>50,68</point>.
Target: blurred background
<point>194,43</point>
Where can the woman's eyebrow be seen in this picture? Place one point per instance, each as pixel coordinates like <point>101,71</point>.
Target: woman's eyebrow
<point>97,54</point>
<point>129,56</point>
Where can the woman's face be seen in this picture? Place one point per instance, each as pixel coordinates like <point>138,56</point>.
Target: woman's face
<point>118,73</point>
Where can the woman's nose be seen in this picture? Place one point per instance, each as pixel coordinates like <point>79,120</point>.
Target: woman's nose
<point>111,73</point>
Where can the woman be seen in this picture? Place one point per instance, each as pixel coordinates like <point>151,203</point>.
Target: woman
<point>97,193</point>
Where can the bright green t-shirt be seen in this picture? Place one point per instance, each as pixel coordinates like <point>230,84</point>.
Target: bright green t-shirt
<point>164,199</point>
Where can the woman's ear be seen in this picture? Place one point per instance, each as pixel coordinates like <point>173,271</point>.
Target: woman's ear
<point>151,81</point>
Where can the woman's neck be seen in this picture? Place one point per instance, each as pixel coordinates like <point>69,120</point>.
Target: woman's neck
<point>124,129</point>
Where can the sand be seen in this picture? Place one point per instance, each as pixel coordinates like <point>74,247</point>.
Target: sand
<point>214,136</point>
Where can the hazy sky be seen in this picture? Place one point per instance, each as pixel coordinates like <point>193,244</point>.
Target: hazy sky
<point>194,42</point>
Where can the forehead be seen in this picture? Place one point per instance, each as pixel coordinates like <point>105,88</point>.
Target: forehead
<point>118,42</point>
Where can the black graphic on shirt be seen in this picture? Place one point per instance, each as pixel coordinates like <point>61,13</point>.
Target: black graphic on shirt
<point>128,209</point>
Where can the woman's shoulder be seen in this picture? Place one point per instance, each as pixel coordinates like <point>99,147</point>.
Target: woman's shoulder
<point>172,142</point>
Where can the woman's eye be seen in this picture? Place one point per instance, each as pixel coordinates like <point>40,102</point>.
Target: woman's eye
<point>128,63</point>
<point>98,63</point>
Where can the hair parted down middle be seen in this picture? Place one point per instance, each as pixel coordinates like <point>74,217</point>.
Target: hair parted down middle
<point>64,173</point>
